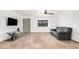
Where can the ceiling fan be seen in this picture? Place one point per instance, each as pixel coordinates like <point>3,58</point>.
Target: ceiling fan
<point>48,13</point>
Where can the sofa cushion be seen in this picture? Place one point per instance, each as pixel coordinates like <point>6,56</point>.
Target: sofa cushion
<point>61,29</point>
<point>65,29</point>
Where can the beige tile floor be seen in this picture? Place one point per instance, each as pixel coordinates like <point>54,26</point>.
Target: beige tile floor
<point>38,41</point>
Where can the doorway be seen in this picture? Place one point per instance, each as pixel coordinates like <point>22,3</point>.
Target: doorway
<point>26,25</point>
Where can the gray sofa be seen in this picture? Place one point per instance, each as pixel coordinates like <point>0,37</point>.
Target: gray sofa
<point>62,33</point>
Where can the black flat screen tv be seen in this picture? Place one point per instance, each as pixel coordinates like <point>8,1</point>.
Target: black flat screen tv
<point>12,22</point>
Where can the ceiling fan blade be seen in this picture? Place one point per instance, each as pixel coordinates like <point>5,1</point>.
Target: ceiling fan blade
<point>51,13</point>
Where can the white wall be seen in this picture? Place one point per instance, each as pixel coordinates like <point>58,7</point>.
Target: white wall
<point>4,14</point>
<point>34,24</point>
<point>70,19</point>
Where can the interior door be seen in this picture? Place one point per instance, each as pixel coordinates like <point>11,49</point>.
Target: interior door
<point>26,25</point>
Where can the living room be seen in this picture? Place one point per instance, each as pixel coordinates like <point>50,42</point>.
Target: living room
<point>49,19</point>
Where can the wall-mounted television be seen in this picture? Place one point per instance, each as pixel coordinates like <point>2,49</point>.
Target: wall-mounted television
<point>11,21</point>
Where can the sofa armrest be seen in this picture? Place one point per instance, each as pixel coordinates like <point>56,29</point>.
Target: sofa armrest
<point>53,30</point>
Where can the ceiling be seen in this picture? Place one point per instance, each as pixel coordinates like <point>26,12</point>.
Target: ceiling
<point>40,13</point>
<point>32,13</point>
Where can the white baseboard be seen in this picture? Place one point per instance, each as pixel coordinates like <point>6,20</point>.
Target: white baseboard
<point>4,37</point>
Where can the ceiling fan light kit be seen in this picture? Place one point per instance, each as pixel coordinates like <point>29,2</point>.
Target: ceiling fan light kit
<point>45,12</point>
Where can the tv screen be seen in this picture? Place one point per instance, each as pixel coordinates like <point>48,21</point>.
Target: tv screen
<point>11,22</point>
